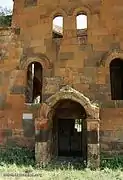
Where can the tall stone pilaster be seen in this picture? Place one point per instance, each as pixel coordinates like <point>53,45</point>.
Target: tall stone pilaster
<point>93,146</point>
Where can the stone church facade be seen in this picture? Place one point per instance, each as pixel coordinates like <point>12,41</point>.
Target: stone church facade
<point>76,74</point>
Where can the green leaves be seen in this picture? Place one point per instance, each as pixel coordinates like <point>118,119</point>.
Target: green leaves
<point>115,162</point>
<point>5,17</point>
<point>5,21</point>
<point>19,156</point>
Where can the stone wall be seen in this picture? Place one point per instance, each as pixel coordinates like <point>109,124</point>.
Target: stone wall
<point>82,64</point>
<point>12,92</point>
<point>111,131</point>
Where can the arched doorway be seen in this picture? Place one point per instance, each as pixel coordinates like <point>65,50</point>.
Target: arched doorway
<point>69,130</point>
<point>68,116</point>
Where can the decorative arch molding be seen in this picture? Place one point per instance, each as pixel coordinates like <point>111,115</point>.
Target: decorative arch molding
<point>42,59</point>
<point>83,9</point>
<point>69,93</point>
<point>58,12</point>
<point>109,56</point>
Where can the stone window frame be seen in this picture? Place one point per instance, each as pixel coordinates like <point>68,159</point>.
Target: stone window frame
<point>56,13</point>
<point>84,11</point>
<point>82,36</point>
<point>105,63</point>
<point>43,60</point>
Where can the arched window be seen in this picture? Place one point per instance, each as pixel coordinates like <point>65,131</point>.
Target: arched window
<point>34,83</point>
<point>116,78</point>
<point>81,21</point>
<point>57,27</point>
<point>81,24</point>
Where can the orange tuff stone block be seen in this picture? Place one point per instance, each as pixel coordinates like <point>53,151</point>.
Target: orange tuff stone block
<point>41,124</point>
<point>16,101</point>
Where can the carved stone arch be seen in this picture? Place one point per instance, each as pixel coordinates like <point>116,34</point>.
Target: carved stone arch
<point>43,60</point>
<point>58,12</point>
<point>83,9</point>
<point>43,150</point>
<point>69,93</point>
<point>108,57</point>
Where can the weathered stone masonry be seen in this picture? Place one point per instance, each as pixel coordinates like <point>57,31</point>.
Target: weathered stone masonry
<point>80,63</point>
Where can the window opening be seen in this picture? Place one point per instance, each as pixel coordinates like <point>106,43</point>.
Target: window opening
<point>116,79</point>
<point>34,83</point>
<point>81,22</point>
<point>58,27</point>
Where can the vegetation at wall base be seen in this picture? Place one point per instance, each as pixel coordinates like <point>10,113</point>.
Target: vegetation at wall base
<point>113,162</point>
<point>21,162</point>
<point>26,156</point>
<point>17,155</point>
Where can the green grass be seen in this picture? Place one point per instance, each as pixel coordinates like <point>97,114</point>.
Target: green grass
<point>19,163</point>
<point>22,172</point>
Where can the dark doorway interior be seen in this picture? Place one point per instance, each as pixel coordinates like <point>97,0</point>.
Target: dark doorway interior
<point>69,137</point>
<point>69,130</point>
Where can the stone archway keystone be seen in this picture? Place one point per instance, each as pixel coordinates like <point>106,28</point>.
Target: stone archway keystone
<point>69,93</point>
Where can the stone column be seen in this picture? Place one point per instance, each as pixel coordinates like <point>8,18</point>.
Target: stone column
<point>42,136</point>
<point>42,141</point>
<point>93,146</point>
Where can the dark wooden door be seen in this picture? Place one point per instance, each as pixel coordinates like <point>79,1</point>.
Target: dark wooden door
<point>69,137</point>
